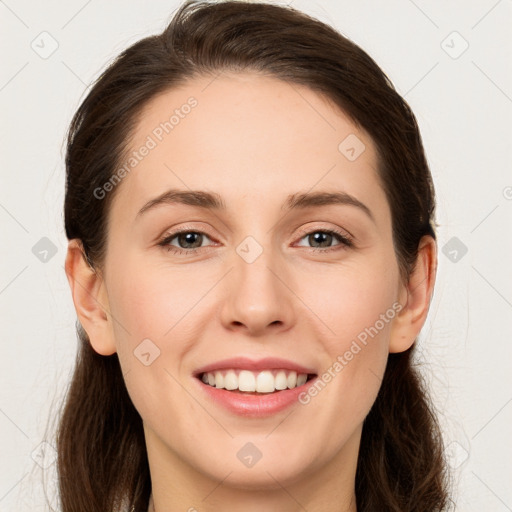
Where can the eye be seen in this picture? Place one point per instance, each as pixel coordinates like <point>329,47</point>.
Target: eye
<point>188,241</point>
<point>324,237</point>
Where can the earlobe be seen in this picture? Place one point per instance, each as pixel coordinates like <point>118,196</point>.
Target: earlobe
<point>90,299</point>
<point>415,297</point>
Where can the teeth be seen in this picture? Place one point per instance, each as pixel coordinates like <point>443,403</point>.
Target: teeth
<point>266,381</point>
<point>230,380</point>
<point>281,381</point>
<point>219,380</point>
<point>246,381</point>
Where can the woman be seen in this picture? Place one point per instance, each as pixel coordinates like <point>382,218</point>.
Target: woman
<point>228,362</point>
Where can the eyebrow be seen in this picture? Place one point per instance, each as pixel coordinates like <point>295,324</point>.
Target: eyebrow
<point>213,201</point>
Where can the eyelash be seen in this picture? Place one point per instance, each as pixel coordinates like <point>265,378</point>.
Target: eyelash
<point>345,241</point>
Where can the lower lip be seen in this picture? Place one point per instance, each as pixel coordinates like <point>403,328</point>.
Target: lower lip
<point>255,406</point>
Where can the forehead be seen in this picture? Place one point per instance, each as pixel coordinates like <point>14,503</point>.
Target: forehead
<point>245,135</point>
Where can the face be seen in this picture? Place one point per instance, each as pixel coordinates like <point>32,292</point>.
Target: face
<point>284,267</point>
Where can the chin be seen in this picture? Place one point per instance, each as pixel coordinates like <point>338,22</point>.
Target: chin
<point>272,466</point>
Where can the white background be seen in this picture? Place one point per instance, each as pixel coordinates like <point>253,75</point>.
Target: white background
<point>464,108</point>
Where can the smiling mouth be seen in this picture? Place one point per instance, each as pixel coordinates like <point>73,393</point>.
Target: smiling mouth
<point>255,382</point>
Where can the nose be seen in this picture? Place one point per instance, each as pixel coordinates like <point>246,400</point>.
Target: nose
<point>258,296</point>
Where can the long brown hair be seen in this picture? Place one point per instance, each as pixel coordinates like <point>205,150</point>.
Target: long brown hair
<point>102,460</point>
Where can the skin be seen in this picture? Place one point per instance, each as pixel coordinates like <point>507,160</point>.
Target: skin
<point>254,140</point>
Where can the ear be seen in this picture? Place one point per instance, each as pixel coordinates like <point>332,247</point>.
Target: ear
<point>90,299</point>
<point>415,297</point>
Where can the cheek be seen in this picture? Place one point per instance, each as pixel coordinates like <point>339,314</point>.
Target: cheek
<point>158,314</point>
<point>359,307</point>
<point>151,306</point>
<point>151,300</point>
<point>355,303</point>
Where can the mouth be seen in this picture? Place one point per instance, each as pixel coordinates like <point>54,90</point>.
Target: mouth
<point>247,382</point>
<point>255,389</point>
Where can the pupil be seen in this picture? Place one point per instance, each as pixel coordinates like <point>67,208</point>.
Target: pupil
<point>317,237</point>
<point>188,238</point>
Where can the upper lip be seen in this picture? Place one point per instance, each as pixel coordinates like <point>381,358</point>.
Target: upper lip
<point>245,363</point>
